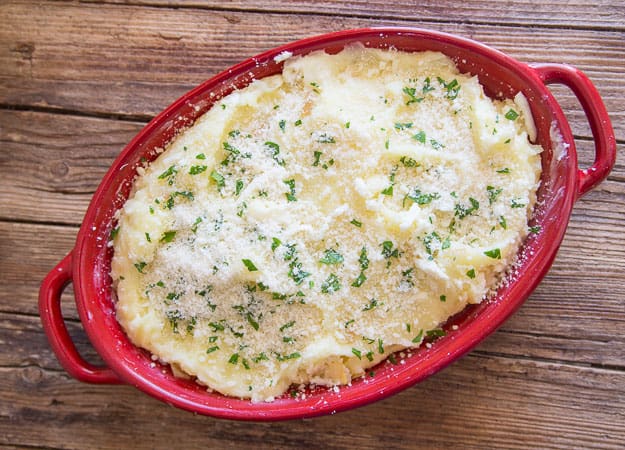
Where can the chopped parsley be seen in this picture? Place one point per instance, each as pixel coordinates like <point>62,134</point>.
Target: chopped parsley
<point>218,178</point>
<point>471,273</point>
<point>200,156</point>
<point>511,114</point>
<point>287,325</point>
<point>421,198</point>
<point>282,124</point>
<point>462,211</point>
<point>331,256</point>
<point>325,138</point>
<point>275,151</point>
<point>360,279</point>
<point>412,98</point>
<point>502,222</point>
<point>494,253</point>
<point>275,243</point>
<point>331,284</point>
<point>436,333</point>
<point>249,264</point>
<point>420,136</point>
<point>418,338</point>
<point>504,170</point>
<point>356,223</point>
<point>195,170</point>
<point>169,175</point>
<point>140,266</point>
<point>212,349</point>
<point>493,193</point>
<point>516,204</point>
<point>168,236</point>
<point>114,232</point>
<point>317,155</point>
<point>403,126</point>
<point>357,352</point>
<point>535,229</point>
<point>372,304</point>
<point>290,196</point>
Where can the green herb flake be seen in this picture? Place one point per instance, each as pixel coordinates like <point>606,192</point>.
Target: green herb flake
<point>412,98</point>
<point>252,321</point>
<point>403,125</point>
<point>471,273</point>
<point>212,349</point>
<point>535,229</point>
<point>494,253</point>
<point>218,178</point>
<point>516,204</point>
<point>147,237</point>
<point>504,170</point>
<point>290,196</point>
<point>331,256</point>
<point>140,266</point>
<point>511,114</point>
<point>408,162</point>
<point>347,125</point>
<point>436,333</point>
<point>462,211</point>
<point>287,325</point>
<point>388,190</point>
<point>114,232</point>
<point>359,280</point>
<point>275,151</point>
<point>356,223</point>
<point>502,222</point>
<point>169,175</point>
<point>317,155</point>
<point>282,124</point>
<point>275,243</point>
<point>234,359</point>
<point>200,156</point>
<point>388,251</point>
<point>419,137</point>
<point>418,338</point>
<point>331,284</point>
<point>363,260</point>
<point>492,193</point>
<point>249,264</point>
<point>380,346</point>
<point>168,236</point>
<point>443,298</point>
<point>421,198</point>
<point>372,304</point>
<point>325,138</point>
<point>298,122</point>
<point>195,170</point>
<point>357,352</point>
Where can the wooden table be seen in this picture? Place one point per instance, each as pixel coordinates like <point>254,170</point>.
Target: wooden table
<point>79,80</point>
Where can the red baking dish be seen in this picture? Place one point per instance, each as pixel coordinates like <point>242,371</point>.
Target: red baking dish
<point>87,266</point>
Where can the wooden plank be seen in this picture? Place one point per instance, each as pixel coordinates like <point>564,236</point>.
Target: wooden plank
<point>561,13</point>
<point>476,403</point>
<point>136,60</point>
<point>51,164</point>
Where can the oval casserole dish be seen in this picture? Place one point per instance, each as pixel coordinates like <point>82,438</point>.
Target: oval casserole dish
<point>87,266</point>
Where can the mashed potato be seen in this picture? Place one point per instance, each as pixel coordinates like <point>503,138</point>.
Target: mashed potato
<point>313,223</point>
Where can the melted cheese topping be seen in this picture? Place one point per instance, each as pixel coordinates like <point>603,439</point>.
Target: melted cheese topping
<point>313,223</point>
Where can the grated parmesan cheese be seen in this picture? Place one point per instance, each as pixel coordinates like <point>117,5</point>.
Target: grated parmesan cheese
<point>315,222</point>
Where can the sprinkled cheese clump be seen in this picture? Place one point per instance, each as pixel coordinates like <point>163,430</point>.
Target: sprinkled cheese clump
<point>315,222</point>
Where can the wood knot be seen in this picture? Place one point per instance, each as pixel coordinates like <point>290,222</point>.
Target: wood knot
<point>25,49</point>
<point>59,169</point>
<point>32,375</point>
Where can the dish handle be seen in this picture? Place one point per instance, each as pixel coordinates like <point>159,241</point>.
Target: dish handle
<point>597,115</point>
<point>56,331</point>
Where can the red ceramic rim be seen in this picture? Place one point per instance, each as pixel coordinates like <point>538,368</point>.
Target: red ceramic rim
<point>500,74</point>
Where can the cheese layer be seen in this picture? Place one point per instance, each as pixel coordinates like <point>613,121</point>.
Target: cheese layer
<point>313,223</point>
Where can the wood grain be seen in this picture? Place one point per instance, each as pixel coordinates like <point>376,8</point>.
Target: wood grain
<point>78,81</point>
<point>476,403</point>
<point>135,60</point>
<point>559,13</point>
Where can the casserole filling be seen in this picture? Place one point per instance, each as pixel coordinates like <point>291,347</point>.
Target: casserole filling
<point>315,222</point>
